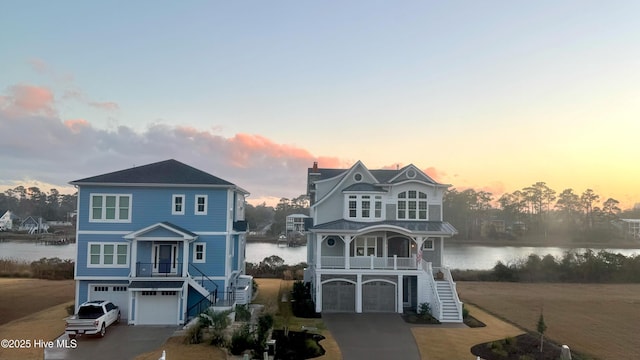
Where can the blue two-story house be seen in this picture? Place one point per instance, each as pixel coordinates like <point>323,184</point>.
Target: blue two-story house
<point>377,240</point>
<point>163,241</point>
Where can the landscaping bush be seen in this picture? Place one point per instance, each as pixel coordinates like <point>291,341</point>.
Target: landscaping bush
<point>301,303</point>
<point>243,313</point>
<point>241,340</point>
<point>297,345</point>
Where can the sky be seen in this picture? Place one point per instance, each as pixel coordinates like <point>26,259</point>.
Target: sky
<point>490,95</point>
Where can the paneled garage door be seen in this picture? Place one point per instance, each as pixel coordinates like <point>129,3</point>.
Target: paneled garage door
<point>157,308</point>
<point>379,296</point>
<point>339,296</point>
<point>117,294</point>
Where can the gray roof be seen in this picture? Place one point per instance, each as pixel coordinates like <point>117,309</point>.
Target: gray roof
<point>147,284</point>
<point>163,172</point>
<point>431,227</point>
<point>383,176</point>
<point>179,229</point>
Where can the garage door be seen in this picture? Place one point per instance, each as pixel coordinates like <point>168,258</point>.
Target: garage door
<point>379,296</point>
<point>339,296</point>
<point>117,294</point>
<point>157,308</point>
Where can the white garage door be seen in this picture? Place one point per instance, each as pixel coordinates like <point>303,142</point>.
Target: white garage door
<point>117,294</point>
<point>157,308</point>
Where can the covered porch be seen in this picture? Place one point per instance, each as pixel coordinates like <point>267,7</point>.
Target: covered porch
<point>160,250</point>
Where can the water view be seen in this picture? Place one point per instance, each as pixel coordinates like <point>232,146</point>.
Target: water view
<point>473,257</point>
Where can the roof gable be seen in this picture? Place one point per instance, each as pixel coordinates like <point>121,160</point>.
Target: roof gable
<point>163,172</point>
<point>162,229</point>
<point>411,172</point>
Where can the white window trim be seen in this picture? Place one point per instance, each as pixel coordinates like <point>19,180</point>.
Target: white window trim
<point>363,242</point>
<point>433,244</point>
<point>195,206</point>
<point>373,197</point>
<point>417,200</point>
<point>104,208</point>
<point>115,255</point>
<point>173,204</point>
<point>204,252</point>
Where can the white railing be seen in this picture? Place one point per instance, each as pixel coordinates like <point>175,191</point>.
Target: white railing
<point>369,262</point>
<point>436,305</point>
<point>446,272</point>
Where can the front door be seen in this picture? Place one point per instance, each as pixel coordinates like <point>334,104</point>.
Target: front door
<point>164,261</point>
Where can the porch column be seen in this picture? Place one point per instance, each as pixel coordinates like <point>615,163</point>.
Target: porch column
<point>318,286</point>
<point>359,293</point>
<point>318,253</point>
<point>441,250</point>
<point>347,247</point>
<point>400,302</point>
<point>419,242</point>
<point>185,257</point>
<point>134,258</point>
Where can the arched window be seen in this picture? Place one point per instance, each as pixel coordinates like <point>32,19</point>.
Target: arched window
<point>412,205</point>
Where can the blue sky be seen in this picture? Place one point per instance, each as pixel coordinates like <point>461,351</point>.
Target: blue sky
<point>486,94</point>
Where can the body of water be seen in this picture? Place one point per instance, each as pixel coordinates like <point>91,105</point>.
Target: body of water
<point>474,257</point>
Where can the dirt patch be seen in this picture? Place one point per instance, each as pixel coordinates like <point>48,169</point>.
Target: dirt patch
<point>23,297</point>
<point>600,320</point>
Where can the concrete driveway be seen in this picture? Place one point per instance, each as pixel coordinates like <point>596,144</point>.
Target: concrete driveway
<point>120,342</point>
<point>372,336</point>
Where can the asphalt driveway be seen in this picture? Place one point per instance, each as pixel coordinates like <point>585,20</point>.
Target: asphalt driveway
<point>120,342</point>
<point>372,336</point>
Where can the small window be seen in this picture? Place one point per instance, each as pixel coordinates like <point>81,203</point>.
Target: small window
<point>100,288</point>
<point>148,293</point>
<point>177,207</point>
<point>358,177</point>
<point>428,244</point>
<point>119,288</point>
<point>201,205</point>
<point>411,174</point>
<point>331,242</point>
<point>169,293</point>
<point>199,252</point>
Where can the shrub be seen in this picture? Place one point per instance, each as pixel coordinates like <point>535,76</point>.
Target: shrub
<point>240,340</point>
<point>243,313</point>
<point>194,334</point>
<point>301,303</point>
<point>465,312</point>
<point>424,309</point>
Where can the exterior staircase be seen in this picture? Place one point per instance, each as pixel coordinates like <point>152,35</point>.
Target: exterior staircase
<point>450,310</point>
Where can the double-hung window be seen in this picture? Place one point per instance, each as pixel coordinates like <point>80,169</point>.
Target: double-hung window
<point>201,205</point>
<point>364,207</point>
<point>110,208</point>
<point>412,205</point>
<point>177,207</point>
<point>108,255</point>
<point>199,252</point>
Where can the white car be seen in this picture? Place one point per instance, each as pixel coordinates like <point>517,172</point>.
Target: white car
<point>92,318</point>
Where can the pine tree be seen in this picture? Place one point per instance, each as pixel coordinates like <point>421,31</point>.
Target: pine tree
<point>542,327</point>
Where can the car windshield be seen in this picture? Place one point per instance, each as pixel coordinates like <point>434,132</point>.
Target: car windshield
<point>90,312</point>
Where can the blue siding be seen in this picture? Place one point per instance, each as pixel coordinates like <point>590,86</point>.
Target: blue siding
<point>153,205</point>
<point>215,255</point>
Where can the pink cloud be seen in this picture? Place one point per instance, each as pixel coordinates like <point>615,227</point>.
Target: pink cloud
<point>28,100</point>
<point>77,125</point>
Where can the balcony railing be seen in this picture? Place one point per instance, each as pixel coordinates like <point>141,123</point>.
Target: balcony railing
<point>370,262</point>
<point>158,269</point>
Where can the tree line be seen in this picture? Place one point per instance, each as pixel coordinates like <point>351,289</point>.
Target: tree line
<point>31,201</point>
<point>573,267</point>
<point>538,208</point>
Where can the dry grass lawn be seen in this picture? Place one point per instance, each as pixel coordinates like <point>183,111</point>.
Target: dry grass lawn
<point>19,297</point>
<point>46,325</point>
<point>600,320</point>
<point>437,342</point>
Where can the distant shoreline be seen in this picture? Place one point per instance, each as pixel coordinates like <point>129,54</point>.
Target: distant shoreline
<point>551,242</point>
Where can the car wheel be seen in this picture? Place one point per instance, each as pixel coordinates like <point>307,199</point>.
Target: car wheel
<point>103,330</point>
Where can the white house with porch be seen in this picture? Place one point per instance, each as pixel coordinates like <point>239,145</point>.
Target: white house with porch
<point>376,243</point>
